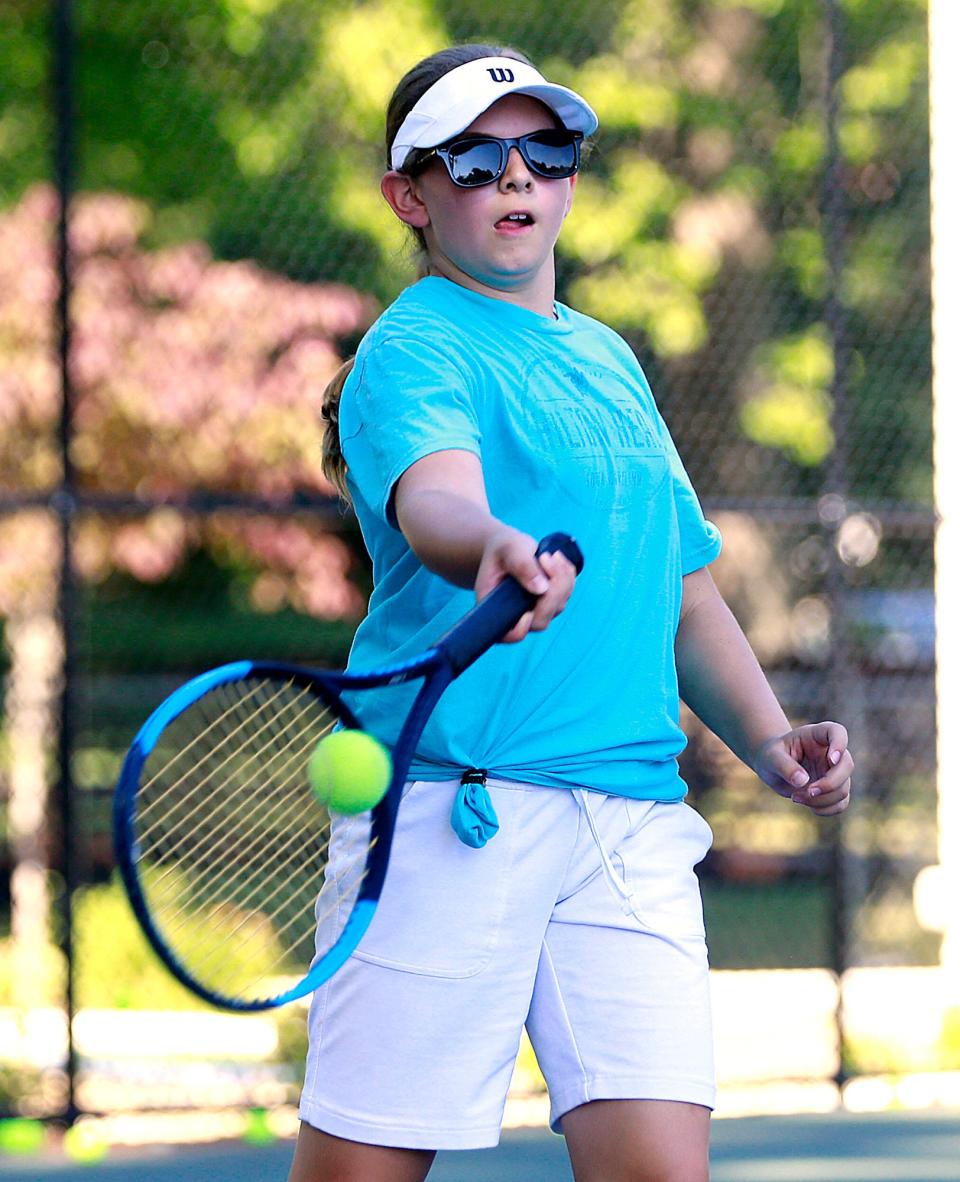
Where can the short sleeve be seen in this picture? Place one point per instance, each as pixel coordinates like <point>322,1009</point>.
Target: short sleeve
<point>405,399</point>
<point>700,540</point>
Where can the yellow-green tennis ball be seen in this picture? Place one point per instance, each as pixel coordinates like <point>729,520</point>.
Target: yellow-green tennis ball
<point>258,1130</point>
<point>84,1143</point>
<point>350,771</point>
<point>19,1135</point>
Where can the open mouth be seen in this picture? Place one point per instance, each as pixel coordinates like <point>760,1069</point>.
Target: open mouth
<point>517,220</point>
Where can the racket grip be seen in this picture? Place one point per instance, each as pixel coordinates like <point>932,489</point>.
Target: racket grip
<point>497,612</point>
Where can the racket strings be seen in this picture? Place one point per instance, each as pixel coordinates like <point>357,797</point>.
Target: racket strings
<point>279,932</point>
<point>241,912</point>
<point>222,882</point>
<point>217,822</point>
<point>224,835</point>
<point>186,754</point>
<point>345,886</point>
<point>235,847</point>
<point>223,820</point>
<point>357,862</point>
<point>225,748</point>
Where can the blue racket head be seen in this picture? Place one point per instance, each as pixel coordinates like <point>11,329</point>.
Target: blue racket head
<point>248,888</point>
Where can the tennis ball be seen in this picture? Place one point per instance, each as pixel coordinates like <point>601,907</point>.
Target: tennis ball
<point>258,1130</point>
<point>83,1142</point>
<point>350,771</point>
<point>19,1135</point>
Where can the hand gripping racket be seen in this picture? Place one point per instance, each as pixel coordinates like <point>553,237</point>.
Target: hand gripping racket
<point>247,892</point>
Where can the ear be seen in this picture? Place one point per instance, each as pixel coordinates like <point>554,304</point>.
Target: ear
<point>402,194</point>
<point>573,185</point>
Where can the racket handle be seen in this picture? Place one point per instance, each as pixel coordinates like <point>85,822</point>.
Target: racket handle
<point>497,612</point>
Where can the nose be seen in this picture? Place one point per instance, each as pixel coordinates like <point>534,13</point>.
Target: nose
<point>516,175</point>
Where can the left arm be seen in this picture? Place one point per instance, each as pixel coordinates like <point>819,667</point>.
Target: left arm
<point>722,682</point>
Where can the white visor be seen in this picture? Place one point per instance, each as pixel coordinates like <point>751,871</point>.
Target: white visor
<point>456,99</point>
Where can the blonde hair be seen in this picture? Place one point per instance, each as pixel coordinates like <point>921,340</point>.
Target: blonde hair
<point>332,462</point>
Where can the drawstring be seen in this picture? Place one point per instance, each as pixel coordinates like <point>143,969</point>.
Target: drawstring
<point>473,818</point>
<point>628,898</point>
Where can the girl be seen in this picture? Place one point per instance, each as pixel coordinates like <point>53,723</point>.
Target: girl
<point>542,871</point>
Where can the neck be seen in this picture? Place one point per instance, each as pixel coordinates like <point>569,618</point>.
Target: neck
<point>536,294</point>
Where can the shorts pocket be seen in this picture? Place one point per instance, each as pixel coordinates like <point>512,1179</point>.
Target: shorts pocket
<point>442,906</point>
<point>658,860</point>
<point>702,825</point>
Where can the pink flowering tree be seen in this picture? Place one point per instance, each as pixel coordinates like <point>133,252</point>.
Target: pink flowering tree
<point>190,375</point>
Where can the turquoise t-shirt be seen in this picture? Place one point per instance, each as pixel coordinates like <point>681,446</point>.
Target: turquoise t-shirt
<point>570,439</point>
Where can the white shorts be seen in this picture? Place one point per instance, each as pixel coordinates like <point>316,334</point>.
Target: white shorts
<point>581,918</point>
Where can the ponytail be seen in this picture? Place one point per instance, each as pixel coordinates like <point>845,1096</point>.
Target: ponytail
<point>332,461</point>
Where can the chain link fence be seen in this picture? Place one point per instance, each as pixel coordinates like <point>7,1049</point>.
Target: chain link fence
<point>753,218</point>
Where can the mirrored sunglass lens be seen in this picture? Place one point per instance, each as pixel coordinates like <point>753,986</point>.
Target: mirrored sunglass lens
<point>553,156</point>
<point>475,164</point>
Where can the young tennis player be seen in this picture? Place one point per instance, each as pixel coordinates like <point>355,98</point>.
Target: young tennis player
<point>542,871</point>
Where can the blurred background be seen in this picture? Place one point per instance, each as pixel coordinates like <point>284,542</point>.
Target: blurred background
<point>192,238</point>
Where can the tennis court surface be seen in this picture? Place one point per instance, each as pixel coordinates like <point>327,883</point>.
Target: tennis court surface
<point>898,1147</point>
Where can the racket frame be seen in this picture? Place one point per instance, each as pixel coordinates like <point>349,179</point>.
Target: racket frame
<point>326,686</point>
<point>480,628</point>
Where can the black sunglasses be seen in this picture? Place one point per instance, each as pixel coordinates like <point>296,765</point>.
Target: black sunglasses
<point>482,159</point>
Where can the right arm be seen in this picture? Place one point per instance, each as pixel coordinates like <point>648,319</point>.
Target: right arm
<point>442,509</point>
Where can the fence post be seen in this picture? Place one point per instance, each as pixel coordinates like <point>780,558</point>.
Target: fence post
<point>942,886</point>
<point>63,504</point>
<point>843,694</point>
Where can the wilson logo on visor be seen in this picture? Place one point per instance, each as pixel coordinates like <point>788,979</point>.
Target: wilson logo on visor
<point>501,74</point>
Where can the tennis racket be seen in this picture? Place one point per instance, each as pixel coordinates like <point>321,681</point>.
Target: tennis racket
<point>247,889</point>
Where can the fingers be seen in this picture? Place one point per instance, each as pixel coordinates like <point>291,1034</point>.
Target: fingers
<point>550,577</point>
<point>830,794</point>
<point>519,630</point>
<point>512,554</point>
<point>777,767</point>
<point>529,573</point>
<point>833,806</point>
<point>560,575</point>
<point>831,737</point>
<point>827,804</point>
<point>819,778</point>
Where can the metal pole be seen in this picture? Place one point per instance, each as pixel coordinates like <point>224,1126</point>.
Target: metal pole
<point>942,883</point>
<point>834,502</point>
<point>64,502</point>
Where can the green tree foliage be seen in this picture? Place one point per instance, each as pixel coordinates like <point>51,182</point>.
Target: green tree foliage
<point>256,125</point>
<point>24,70</point>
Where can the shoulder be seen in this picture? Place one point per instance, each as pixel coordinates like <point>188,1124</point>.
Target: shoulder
<point>419,329</point>
<point>598,332</point>
<point>607,344</point>
<point>413,360</point>
<point>424,310</point>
